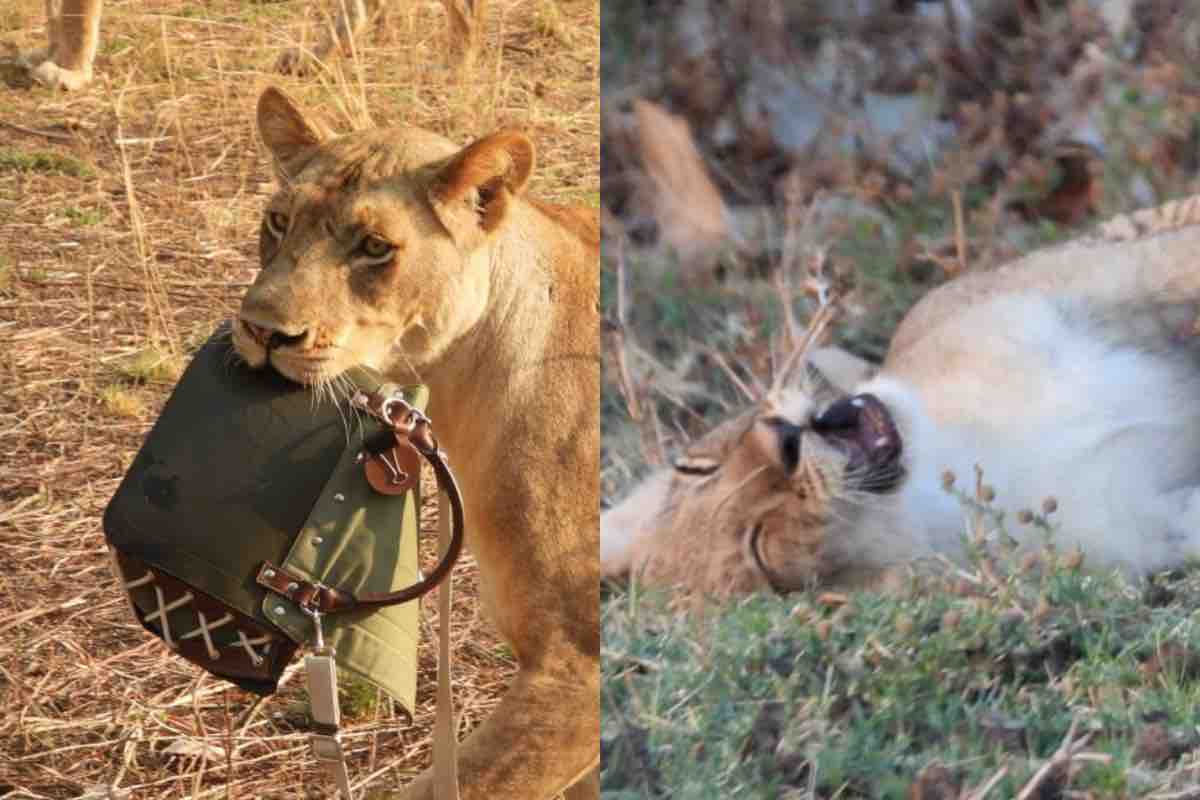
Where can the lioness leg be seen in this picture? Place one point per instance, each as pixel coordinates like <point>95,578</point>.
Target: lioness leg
<point>73,28</point>
<point>541,739</point>
<point>352,16</point>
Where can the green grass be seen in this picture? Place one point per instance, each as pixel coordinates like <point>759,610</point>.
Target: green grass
<point>357,697</point>
<point>149,365</point>
<point>775,695</point>
<point>120,401</point>
<point>111,47</point>
<point>84,216</point>
<point>46,162</point>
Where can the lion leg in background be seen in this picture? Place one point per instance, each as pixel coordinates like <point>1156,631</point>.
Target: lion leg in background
<point>464,17</point>
<point>352,17</point>
<point>73,30</point>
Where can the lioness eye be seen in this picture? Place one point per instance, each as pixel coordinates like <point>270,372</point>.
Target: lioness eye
<point>277,223</point>
<point>377,249</point>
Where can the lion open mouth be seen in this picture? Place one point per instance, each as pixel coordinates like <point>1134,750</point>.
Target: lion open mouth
<point>861,426</point>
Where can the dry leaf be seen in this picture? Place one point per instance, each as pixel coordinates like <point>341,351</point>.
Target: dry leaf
<point>194,748</point>
<point>689,209</point>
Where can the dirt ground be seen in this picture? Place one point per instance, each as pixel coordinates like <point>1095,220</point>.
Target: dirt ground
<point>129,217</point>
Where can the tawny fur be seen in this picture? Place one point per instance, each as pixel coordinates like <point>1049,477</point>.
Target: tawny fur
<point>1073,372</point>
<point>501,324</point>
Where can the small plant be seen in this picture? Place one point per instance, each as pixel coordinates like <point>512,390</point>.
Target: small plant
<point>149,365</point>
<point>84,216</point>
<point>549,22</point>
<point>111,46</point>
<point>359,698</point>
<point>122,402</point>
<point>49,163</point>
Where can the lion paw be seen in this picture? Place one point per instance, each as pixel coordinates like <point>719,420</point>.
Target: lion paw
<point>50,74</point>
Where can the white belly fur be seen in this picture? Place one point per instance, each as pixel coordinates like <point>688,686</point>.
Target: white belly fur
<point>1047,401</point>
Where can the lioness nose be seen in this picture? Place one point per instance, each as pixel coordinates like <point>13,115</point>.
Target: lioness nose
<point>789,446</point>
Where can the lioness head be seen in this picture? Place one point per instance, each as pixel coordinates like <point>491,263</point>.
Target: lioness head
<point>758,502</point>
<point>375,249</point>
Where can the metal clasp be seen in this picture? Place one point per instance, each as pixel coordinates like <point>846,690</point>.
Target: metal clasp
<point>397,413</point>
<point>315,615</point>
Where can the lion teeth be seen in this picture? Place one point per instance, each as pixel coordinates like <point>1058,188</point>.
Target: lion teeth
<point>881,441</point>
<point>857,402</point>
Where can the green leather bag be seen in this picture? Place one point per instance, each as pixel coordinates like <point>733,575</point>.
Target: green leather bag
<point>247,509</point>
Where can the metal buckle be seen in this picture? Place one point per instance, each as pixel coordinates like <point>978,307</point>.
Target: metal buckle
<point>315,614</point>
<point>398,414</point>
<point>327,747</point>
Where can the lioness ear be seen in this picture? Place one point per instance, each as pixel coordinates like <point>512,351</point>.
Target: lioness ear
<point>284,129</point>
<point>471,193</point>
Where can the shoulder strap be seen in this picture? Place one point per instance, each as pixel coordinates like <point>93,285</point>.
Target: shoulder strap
<point>445,738</point>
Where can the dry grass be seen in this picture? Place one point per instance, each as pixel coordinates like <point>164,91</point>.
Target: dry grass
<point>128,230</point>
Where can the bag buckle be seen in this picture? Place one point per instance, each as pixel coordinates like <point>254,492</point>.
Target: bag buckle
<point>318,634</point>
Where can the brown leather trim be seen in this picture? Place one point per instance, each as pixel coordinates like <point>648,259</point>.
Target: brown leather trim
<point>302,591</point>
<point>233,662</point>
<point>393,471</point>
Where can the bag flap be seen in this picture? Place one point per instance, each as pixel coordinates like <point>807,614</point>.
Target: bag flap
<point>361,542</point>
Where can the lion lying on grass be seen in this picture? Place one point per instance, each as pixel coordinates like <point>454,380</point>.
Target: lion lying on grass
<point>1074,371</point>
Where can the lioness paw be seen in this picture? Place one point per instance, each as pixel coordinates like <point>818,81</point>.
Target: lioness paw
<point>50,74</point>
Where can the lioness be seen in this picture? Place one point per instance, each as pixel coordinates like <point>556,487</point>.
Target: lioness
<point>1073,372</point>
<point>397,250</point>
<point>73,33</point>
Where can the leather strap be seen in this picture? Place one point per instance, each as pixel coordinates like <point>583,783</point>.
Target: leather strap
<point>445,740</point>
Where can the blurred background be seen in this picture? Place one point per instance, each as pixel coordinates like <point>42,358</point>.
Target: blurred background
<point>885,144</point>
